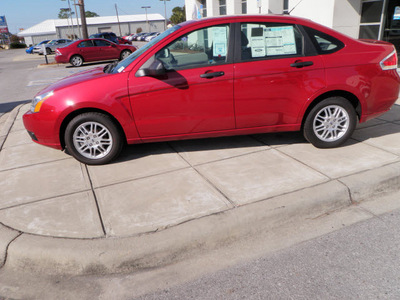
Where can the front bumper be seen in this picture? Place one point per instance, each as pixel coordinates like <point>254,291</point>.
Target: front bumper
<point>42,129</point>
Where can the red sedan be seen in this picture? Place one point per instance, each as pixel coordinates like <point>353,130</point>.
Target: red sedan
<point>88,50</point>
<point>217,77</point>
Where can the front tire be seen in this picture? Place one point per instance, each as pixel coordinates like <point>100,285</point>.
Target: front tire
<point>93,138</point>
<point>125,54</point>
<point>330,123</point>
<point>76,60</point>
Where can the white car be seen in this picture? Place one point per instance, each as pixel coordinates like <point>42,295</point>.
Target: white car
<point>51,46</point>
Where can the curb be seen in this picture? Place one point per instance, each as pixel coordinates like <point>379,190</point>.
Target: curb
<point>58,256</point>
<point>6,127</point>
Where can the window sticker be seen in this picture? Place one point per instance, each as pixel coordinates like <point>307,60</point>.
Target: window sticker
<point>257,42</point>
<point>220,41</point>
<point>280,40</point>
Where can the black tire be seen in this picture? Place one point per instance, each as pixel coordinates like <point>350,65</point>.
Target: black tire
<point>93,138</point>
<point>76,60</point>
<point>124,54</point>
<point>330,123</point>
<point>48,51</point>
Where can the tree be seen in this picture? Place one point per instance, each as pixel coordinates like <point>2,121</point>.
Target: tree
<point>90,14</point>
<point>178,15</point>
<point>64,13</point>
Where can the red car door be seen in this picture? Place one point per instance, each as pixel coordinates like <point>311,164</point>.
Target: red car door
<point>196,93</point>
<point>87,50</point>
<point>106,49</point>
<point>275,78</point>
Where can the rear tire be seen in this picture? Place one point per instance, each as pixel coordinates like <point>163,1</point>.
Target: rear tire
<point>93,138</point>
<point>76,60</point>
<point>330,123</point>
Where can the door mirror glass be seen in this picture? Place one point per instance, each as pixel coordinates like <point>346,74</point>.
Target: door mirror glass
<point>156,68</point>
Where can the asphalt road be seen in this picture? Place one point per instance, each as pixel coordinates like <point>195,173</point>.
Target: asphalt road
<point>23,75</point>
<point>358,262</point>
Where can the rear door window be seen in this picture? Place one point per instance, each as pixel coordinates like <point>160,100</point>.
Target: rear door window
<point>269,41</point>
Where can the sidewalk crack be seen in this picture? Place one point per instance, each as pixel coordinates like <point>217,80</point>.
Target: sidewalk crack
<point>3,263</point>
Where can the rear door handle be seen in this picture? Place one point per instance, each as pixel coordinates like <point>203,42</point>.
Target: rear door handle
<point>212,75</point>
<point>301,64</point>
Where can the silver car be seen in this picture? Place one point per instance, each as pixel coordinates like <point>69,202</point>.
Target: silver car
<point>51,46</point>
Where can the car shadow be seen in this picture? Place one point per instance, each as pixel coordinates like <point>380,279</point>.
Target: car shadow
<point>92,64</point>
<point>6,107</point>
<point>240,143</point>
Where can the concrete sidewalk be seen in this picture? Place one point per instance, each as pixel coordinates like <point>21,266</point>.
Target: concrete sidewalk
<point>162,202</point>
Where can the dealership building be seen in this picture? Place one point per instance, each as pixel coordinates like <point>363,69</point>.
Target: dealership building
<point>69,28</point>
<point>368,19</point>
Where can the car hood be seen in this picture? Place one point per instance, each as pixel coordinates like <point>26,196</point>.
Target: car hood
<point>74,79</point>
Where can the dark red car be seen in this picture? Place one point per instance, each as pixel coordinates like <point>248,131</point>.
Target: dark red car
<point>89,50</point>
<point>216,77</point>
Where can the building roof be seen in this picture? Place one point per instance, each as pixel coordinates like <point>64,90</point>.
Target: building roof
<point>49,26</point>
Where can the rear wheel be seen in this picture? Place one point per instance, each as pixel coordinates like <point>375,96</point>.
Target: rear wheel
<point>330,123</point>
<point>48,51</point>
<point>125,54</point>
<point>76,60</point>
<point>93,138</point>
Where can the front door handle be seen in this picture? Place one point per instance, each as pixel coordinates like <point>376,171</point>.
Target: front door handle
<point>212,75</point>
<point>301,64</point>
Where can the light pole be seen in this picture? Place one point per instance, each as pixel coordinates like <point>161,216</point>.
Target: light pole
<point>165,14</point>
<point>147,21</point>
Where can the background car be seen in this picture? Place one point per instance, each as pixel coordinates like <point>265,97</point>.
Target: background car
<point>212,77</point>
<point>51,46</point>
<point>143,37</point>
<point>151,36</point>
<point>30,49</point>
<point>138,36</point>
<point>111,36</point>
<point>89,50</point>
<point>124,41</point>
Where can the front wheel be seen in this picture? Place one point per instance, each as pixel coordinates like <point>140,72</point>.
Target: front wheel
<point>93,138</point>
<point>330,123</point>
<point>125,54</point>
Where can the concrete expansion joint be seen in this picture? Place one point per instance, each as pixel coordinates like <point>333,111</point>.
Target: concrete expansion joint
<point>85,167</point>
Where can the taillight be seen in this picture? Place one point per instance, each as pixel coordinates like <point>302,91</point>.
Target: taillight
<point>58,52</point>
<point>389,62</point>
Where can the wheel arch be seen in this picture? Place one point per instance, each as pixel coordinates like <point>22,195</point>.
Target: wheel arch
<point>337,93</point>
<point>75,113</point>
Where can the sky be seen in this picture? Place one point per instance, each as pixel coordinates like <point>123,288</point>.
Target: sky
<point>26,13</point>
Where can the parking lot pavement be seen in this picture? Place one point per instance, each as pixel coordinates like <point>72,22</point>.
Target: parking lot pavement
<point>160,202</point>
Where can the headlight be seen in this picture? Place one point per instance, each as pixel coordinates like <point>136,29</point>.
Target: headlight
<point>38,101</point>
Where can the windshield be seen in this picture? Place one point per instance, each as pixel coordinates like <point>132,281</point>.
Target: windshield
<point>127,61</point>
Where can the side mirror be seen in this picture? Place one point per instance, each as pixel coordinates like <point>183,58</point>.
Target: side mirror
<point>155,69</point>
<point>164,53</point>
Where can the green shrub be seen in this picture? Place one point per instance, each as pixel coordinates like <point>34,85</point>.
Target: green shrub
<point>16,45</point>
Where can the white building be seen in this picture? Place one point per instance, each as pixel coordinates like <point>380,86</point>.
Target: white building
<point>373,19</point>
<point>67,28</point>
